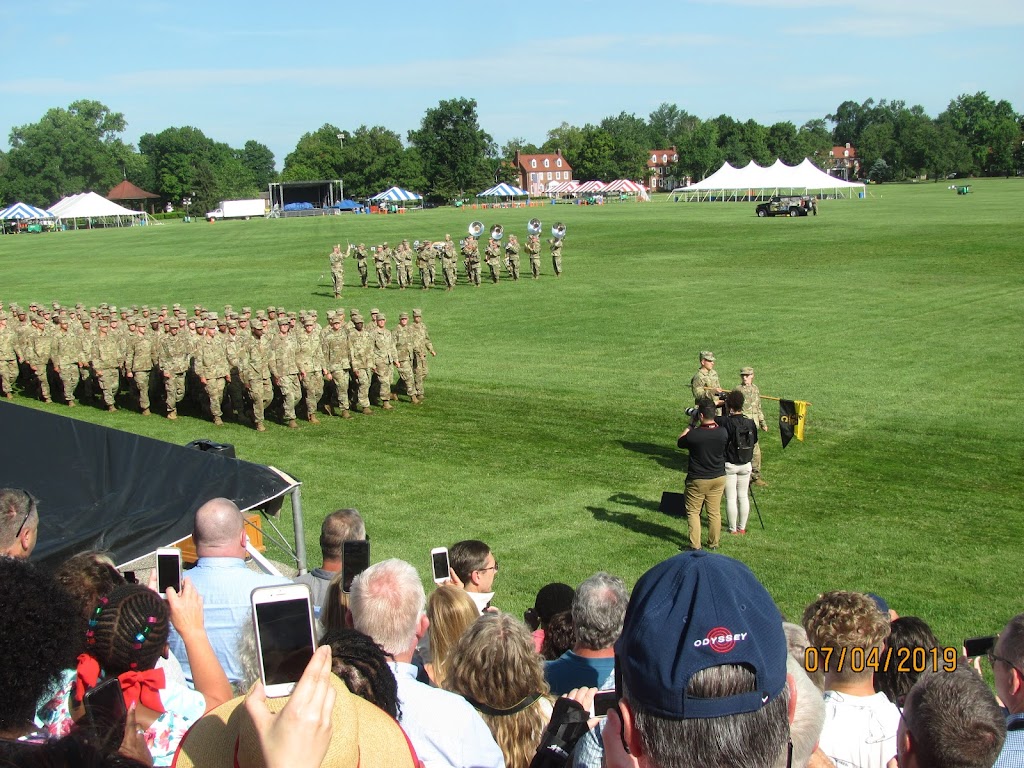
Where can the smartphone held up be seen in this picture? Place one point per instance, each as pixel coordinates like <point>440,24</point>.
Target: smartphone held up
<point>285,639</point>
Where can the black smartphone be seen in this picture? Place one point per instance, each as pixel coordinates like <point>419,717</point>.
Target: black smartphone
<point>603,701</point>
<point>105,714</point>
<point>168,569</point>
<point>979,646</point>
<point>130,577</point>
<point>283,619</point>
<point>355,559</point>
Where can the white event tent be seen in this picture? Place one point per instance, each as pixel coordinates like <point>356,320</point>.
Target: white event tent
<point>754,182</point>
<point>93,207</point>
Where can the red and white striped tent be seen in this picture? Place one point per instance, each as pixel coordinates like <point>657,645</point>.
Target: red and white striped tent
<point>590,186</point>
<point>563,188</point>
<point>624,185</point>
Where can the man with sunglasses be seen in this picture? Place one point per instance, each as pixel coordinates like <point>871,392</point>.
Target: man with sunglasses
<point>1007,659</point>
<point>19,523</point>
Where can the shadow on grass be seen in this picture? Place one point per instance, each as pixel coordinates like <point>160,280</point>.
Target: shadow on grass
<point>666,455</point>
<point>635,522</point>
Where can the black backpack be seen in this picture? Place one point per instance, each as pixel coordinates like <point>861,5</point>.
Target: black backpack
<point>744,436</point>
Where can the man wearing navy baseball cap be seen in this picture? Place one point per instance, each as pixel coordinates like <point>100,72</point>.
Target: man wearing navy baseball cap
<point>702,658</point>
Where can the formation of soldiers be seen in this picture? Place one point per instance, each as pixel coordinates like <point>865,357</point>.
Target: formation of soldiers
<point>244,360</point>
<point>438,260</point>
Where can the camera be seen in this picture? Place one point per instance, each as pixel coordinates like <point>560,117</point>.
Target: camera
<point>693,412</point>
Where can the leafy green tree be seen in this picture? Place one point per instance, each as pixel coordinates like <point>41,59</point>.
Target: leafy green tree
<point>731,141</point>
<point>849,121</point>
<point>318,155</point>
<point>520,145</point>
<point>699,152</point>
<point>374,159</point>
<point>814,141</point>
<point>569,139</point>
<point>631,143</point>
<point>879,171</point>
<point>596,158</point>
<point>68,151</point>
<point>989,128</point>
<point>755,137</point>
<point>259,161</point>
<point>454,149</point>
<point>877,142</point>
<point>784,143</point>
<point>668,124</point>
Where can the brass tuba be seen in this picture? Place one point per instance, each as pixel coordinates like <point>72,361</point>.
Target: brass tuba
<point>534,227</point>
<point>476,229</point>
<point>497,231</point>
<point>558,230</point>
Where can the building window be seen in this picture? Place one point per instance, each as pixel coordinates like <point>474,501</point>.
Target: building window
<point>533,163</point>
<point>533,177</point>
<point>549,175</point>
<point>558,162</point>
<point>675,158</point>
<point>664,158</point>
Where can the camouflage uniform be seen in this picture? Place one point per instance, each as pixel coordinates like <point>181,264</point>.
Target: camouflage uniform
<point>752,410</point>
<point>173,357</point>
<point>337,355</point>
<point>471,255</point>
<point>512,257</point>
<point>705,382</point>
<point>360,256</point>
<point>556,254</point>
<point>421,347</point>
<point>533,248</point>
<point>139,364</point>
<point>361,344</point>
<point>255,373</point>
<point>284,367</point>
<point>404,342</point>
<point>338,269</point>
<point>36,354</point>
<point>311,364</point>
<point>403,282</point>
<point>234,349</point>
<point>106,357</point>
<point>8,360</point>
<point>424,257</point>
<point>449,264</point>
<point>491,255</point>
<point>212,368</point>
<point>384,358</point>
<point>389,255</point>
<point>67,356</point>
<point>380,261</point>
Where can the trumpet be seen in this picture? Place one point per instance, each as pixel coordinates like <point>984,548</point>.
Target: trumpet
<point>534,227</point>
<point>558,230</point>
<point>476,229</point>
<point>416,244</point>
<point>497,231</point>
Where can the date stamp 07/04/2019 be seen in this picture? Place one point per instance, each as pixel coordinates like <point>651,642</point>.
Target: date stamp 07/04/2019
<point>909,660</point>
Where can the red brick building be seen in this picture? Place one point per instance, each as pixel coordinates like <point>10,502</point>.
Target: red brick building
<point>845,163</point>
<point>538,172</point>
<point>660,166</point>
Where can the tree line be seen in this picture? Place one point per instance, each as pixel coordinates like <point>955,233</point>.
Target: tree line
<point>80,148</point>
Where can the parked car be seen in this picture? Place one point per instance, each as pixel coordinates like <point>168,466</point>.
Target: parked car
<point>788,206</point>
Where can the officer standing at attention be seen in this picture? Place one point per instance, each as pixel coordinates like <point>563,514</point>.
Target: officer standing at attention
<point>752,410</point>
<point>338,269</point>
<point>705,382</point>
<point>360,256</point>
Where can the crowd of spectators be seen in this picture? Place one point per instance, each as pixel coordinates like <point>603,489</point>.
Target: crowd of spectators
<point>695,667</point>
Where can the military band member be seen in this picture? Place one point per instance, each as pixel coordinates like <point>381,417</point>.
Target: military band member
<point>752,410</point>
<point>423,259</point>
<point>360,256</point>
<point>338,268</point>
<point>421,347</point>
<point>491,255</point>
<point>533,249</point>
<point>380,262</point>
<point>400,264</point>
<point>512,257</point>
<point>471,258</point>
<point>449,264</point>
<point>556,254</point>
<point>389,254</point>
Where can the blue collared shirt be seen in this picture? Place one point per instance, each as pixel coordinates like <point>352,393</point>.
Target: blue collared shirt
<point>1012,755</point>
<point>224,584</point>
<point>443,727</point>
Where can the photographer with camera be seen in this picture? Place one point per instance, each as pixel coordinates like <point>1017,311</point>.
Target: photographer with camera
<point>706,441</point>
<point>739,452</point>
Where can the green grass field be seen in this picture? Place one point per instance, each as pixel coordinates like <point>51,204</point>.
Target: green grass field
<point>553,406</point>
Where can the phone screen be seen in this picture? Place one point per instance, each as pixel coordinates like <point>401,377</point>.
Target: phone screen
<point>441,565</point>
<point>603,701</point>
<point>105,713</point>
<point>286,645</point>
<point>356,559</point>
<point>979,646</point>
<point>168,572</point>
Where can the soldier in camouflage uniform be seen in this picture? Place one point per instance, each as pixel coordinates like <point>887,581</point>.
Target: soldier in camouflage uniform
<point>311,366</point>
<point>752,410</point>
<point>533,249</point>
<point>449,265</point>
<point>234,349</point>
<point>337,355</point>
<point>385,356</point>
<point>173,357</point>
<point>556,254</point>
<point>404,342</point>
<point>389,255</point>
<point>471,252</point>
<point>424,256</point>
<point>338,269</point>
<point>360,256</point>
<point>107,357</point>
<point>421,347</point>
<point>407,260</point>
<point>361,344</point>
<point>255,372</point>
<point>284,367</point>
<point>139,362</point>
<point>67,357</point>
<point>211,365</point>
<point>8,359</point>
<point>36,354</point>
<point>512,257</point>
<point>380,261</point>
<point>491,255</point>
<point>399,255</point>
<point>705,382</point>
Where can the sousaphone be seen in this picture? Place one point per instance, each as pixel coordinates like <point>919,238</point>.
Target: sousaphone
<point>497,231</point>
<point>534,227</point>
<point>558,230</point>
<point>476,229</point>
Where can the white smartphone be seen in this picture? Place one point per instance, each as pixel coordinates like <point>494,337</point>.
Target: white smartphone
<point>439,564</point>
<point>168,569</point>
<point>285,642</point>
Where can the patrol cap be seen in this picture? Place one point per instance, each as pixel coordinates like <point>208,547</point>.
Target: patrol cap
<point>748,371</point>
<point>357,318</point>
<point>709,356</point>
<point>381,317</point>
<point>309,320</point>
<point>280,310</point>
<point>232,324</point>
<point>374,311</point>
<point>284,321</point>
<point>211,324</point>
<point>417,313</point>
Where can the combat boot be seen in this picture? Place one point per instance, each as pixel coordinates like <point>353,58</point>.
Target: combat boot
<point>172,415</point>
<point>388,406</point>
<point>759,482</point>
<point>260,427</point>
<point>145,411</point>
<point>313,419</point>
<point>345,414</point>
<point>71,403</point>
<point>393,396</point>
<point>111,408</point>
<point>218,421</point>
<point>292,424</point>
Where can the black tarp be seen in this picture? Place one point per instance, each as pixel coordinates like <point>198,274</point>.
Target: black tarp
<point>101,488</point>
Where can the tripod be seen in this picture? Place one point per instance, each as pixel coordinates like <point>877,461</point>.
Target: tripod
<point>753,499</point>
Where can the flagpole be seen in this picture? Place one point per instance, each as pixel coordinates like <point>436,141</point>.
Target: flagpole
<point>776,399</point>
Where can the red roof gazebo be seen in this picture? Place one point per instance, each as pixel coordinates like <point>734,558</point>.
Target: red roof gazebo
<point>128,191</point>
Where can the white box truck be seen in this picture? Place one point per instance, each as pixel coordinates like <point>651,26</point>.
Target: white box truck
<point>238,209</point>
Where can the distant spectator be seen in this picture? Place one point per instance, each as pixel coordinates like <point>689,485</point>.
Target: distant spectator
<point>363,667</point>
<point>224,581</point>
<point>496,668</point>
<point>551,599</point>
<point>19,522</point>
<point>387,603</point>
<point>559,636</point>
<point>597,612</point>
<point>451,612</point>
<point>1007,660</point>
<point>950,720</point>
<point>475,567</point>
<point>860,725</point>
<point>897,678</point>
<point>337,528</point>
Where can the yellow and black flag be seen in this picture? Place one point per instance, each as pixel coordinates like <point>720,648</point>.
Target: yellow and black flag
<point>792,414</point>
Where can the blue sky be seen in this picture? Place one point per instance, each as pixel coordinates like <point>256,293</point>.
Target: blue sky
<point>273,71</point>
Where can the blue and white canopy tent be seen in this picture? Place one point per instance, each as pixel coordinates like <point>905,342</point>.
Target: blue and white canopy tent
<point>396,195</point>
<point>24,211</point>
<point>504,190</point>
